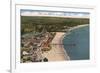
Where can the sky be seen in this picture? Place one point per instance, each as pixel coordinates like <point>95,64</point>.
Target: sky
<point>26,12</point>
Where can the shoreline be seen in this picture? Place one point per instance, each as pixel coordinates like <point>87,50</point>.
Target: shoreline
<point>78,26</point>
<point>72,28</point>
<point>58,52</point>
<point>62,46</point>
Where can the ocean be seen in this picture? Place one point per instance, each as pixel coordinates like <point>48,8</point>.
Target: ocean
<point>76,44</point>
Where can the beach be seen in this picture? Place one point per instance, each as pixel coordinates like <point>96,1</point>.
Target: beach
<point>57,53</point>
<point>79,26</point>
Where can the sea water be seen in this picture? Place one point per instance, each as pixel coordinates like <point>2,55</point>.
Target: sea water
<point>76,43</point>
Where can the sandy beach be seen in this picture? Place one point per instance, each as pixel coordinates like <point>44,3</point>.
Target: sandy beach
<point>79,26</point>
<point>57,53</point>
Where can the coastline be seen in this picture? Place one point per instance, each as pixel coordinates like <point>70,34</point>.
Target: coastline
<point>59,45</point>
<point>62,46</point>
<point>58,53</point>
<point>78,26</point>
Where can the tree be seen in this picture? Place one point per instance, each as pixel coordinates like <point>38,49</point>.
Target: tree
<point>45,59</point>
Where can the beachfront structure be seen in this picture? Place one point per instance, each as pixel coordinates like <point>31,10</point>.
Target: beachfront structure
<point>37,43</point>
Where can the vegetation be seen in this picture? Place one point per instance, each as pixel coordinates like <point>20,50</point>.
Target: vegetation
<point>41,25</point>
<point>51,24</point>
<point>45,60</point>
<point>26,58</point>
<point>26,49</point>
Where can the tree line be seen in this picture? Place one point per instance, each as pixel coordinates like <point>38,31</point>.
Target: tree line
<point>51,24</point>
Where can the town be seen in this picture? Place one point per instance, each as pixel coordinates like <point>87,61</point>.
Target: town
<point>34,46</point>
